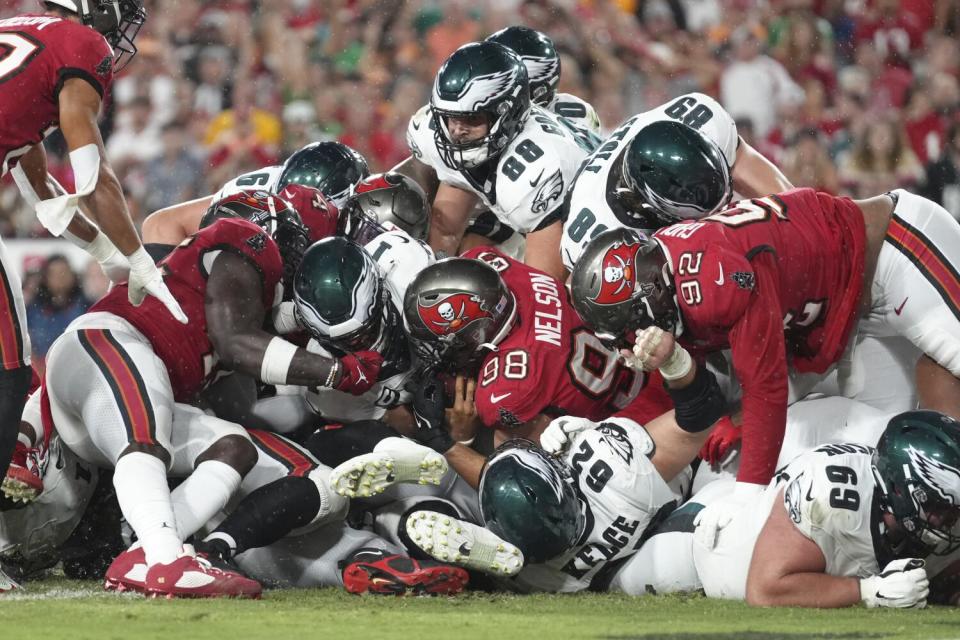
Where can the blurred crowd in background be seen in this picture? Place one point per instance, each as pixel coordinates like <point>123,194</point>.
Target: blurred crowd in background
<point>848,96</point>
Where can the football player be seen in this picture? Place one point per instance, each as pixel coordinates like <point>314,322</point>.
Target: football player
<point>488,144</point>
<point>670,180</point>
<point>331,168</point>
<point>841,524</point>
<point>114,375</point>
<point>785,274</point>
<point>54,69</point>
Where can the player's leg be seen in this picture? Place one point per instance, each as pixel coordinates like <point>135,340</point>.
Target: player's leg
<point>15,371</point>
<point>24,479</point>
<point>287,492</point>
<point>916,294</point>
<point>214,455</point>
<point>111,400</point>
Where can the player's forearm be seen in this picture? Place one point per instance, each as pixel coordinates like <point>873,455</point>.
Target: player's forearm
<point>804,590</point>
<point>466,462</point>
<point>755,176</point>
<point>173,224</point>
<point>443,241</point>
<point>255,353</point>
<point>109,209</point>
<point>764,423</point>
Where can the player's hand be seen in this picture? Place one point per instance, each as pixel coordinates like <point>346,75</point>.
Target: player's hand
<point>718,514</point>
<point>561,431</point>
<point>462,417</point>
<point>146,279</point>
<point>360,371</point>
<point>284,318</point>
<point>720,442</point>
<point>430,414</point>
<point>902,583</point>
<point>655,348</point>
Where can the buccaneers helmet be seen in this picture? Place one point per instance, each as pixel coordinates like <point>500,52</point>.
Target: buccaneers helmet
<point>622,283</point>
<point>676,172</point>
<point>274,215</point>
<point>385,198</point>
<point>917,468</point>
<point>456,311</point>
<point>118,21</point>
<point>331,167</point>
<point>480,78</point>
<point>528,498</point>
<point>539,56</point>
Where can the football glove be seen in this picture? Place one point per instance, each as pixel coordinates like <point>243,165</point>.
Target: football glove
<point>558,434</point>
<point>430,414</point>
<point>360,372</point>
<point>147,280</point>
<point>720,442</point>
<point>903,583</point>
<point>718,514</point>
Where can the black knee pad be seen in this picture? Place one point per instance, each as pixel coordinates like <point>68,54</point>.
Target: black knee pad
<point>335,444</point>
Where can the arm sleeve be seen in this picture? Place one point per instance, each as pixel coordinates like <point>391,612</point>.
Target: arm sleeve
<point>759,359</point>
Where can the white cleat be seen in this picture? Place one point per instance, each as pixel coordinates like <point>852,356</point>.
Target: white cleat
<point>393,460</point>
<point>455,541</point>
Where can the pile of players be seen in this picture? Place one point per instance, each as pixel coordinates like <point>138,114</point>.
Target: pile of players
<point>526,358</point>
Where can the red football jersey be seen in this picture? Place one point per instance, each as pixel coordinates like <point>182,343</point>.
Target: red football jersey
<point>771,278</point>
<point>186,349</point>
<point>37,55</point>
<point>319,215</point>
<point>549,362</point>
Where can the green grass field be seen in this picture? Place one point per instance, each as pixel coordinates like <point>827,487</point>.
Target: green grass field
<point>57,609</point>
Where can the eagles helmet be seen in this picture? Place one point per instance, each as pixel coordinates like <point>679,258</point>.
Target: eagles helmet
<point>455,311</point>
<point>528,498</point>
<point>622,283</point>
<point>479,78</point>
<point>676,172</point>
<point>274,215</point>
<point>340,298</point>
<point>118,21</point>
<point>539,56</point>
<point>331,167</point>
<point>917,469</point>
<point>385,198</point>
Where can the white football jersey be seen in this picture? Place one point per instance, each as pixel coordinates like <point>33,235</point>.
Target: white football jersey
<point>46,523</point>
<point>400,259</point>
<point>525,189</point>
<point>264,179</point>
<point>593,206</point>
<point>623,492</point>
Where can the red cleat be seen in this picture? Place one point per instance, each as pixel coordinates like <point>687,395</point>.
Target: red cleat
<point>378,571</point>
<point>24,480</point>
<point>192,577</point>
<point>127,572</point>
<point>7,584</point>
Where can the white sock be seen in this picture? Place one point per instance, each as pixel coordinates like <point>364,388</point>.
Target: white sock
<point>140,480</point>
<point>204,493</point>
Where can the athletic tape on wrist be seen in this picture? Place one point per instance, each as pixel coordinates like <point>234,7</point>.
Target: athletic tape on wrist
<point>276,361</point>
<point>677,365</point>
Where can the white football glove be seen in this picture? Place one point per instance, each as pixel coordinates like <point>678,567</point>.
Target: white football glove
<point>114,264</point>
<point>146,279</point>
<point>902,583</point>
<point>654,348</point>
<point>718,514</point>
<point>561,431</point>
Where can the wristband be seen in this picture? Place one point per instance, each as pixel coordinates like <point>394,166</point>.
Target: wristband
<point>101,248</point>
<point>276,361</point>
<point>699,404</point>
<point>677,365</point>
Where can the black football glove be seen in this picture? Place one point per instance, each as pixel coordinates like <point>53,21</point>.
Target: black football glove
<point>429,411</point>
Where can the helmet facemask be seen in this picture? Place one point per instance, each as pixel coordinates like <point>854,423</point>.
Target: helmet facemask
<point>119,21</point>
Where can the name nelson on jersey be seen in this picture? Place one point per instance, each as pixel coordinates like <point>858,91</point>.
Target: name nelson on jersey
<point>547,325</point>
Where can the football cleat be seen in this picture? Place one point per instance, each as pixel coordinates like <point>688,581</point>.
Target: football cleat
<point>190,576</point>
<point>127,572</point>
<point>382,572</point>
<point>7,583</point>
<point>24,479</point>
<point>450,539</point>
<point>393,460</point>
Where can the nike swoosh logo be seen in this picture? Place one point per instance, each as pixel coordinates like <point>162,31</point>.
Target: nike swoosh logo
<point>719,280</point>
<point>464,549</point>
<point>534,183</point>
<point>808,496</point>
<point>495,398</point>
<point>416,127</point>
<point>900,308</point>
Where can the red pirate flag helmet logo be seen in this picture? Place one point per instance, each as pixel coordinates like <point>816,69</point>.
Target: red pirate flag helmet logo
<point>452,313</point>
<point>618,280</point>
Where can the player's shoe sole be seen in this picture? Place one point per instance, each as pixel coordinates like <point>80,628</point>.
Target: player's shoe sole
<point>395,460</point>
<point>21,485</point>
<point>399,575</point>
<point>449,539</point>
